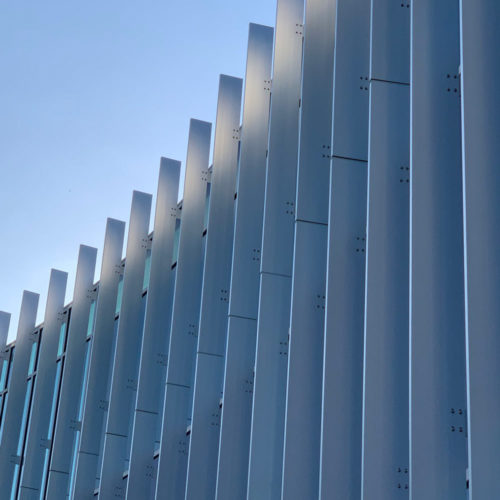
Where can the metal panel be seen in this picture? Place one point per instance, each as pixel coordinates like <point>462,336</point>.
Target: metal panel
<point>340,473</point>
<point>154,350</point>
<point>127,351</point>
<point>268,415</point>
<point>96,398</point>
<point>390,40</point>
<point>277,252</point>
<point>305,360</point>
<point>305,363</point>
<point>385,412</point>
<point>38,440</point>
<point>480,38</point>
<point>4,329</point>
<point>5,362</point>
<point>281,174</point>
<point>243,302</point>
<point>352,68</point>
<point>72,382</point>
<point>6,357</point>
<point>236,409</point>
<point>438,445</point>
<point>313,170</point>
<point>205,424</point>
<point>344,329</point>
<point>244,290</point>
<point>172,466</point>
<point>12,419</point>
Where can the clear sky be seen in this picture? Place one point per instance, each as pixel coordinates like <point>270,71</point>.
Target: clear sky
<point>91,95</point>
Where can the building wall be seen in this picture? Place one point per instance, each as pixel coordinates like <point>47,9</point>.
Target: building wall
<point>318,318</point>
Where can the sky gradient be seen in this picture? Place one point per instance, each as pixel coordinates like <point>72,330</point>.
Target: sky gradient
<point>91,95</point>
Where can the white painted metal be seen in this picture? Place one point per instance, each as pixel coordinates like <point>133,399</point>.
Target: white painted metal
<point>385,412</point>
<point>68,423</point>
<point>99,371</point>
<point>172,466</point>
<point>305,358</point>
<point>148,405</point>
<point>480,65</point>
<point>13,413</point>
<point>39,434</point>
<point>268,416</point>
<point>127,352</point>
<point>244,291</point>
<point>438,437</point>
<point>205,422</point>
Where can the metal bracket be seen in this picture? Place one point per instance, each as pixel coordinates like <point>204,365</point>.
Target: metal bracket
<point>103,404</point>
<point>92,293</point>
<point>46,443</point>
<point>453,82</point>
<point>120,268</point>
<point>405,174</point>
<point>76,425</point>
<point>402,478</point>
<point>325,151</point>
<point>237,134</point>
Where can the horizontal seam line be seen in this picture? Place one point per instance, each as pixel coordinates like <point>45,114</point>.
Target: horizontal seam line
<point>276,274</point>
<point>389,81</point>
<point>324,224</point>
<point>115,434</point>
<point>146,411</point>
<point>349,158</point>
<point>241,317</point>
<point>89,453</point>
<point>179,385</point>
<point>59,471</point>
<point>211,354</point>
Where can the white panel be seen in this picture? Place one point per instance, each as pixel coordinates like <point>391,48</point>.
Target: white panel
<point>4,328</point>
<point>268,417</point>
<point>390,40</point>
<point>343,365</point>
<point>480,37</point>
<point>205,423</point>
<point>72,382</point>
<point>305,364</point>
<point>38,440</point>
<point>13,413</point>
<point>245,277</point>
<point>438,443</point>
<point>127,351</point>
<point>385,412</point>
<point>154,352</point>
<point>251,175</point>
<point>172,466</point>
<point>236,409</point>
<point>99,371</point>
<point>277,250</point>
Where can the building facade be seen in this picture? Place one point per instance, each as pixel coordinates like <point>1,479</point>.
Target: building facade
<point>319,316</point>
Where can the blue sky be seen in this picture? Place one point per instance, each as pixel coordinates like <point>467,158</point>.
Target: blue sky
<point>91,95</point>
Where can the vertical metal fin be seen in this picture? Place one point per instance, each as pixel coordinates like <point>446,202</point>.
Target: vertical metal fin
<point>149,401</point>
<point>172,467</point>
<point>205,423</point>
<point>244,291</point>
